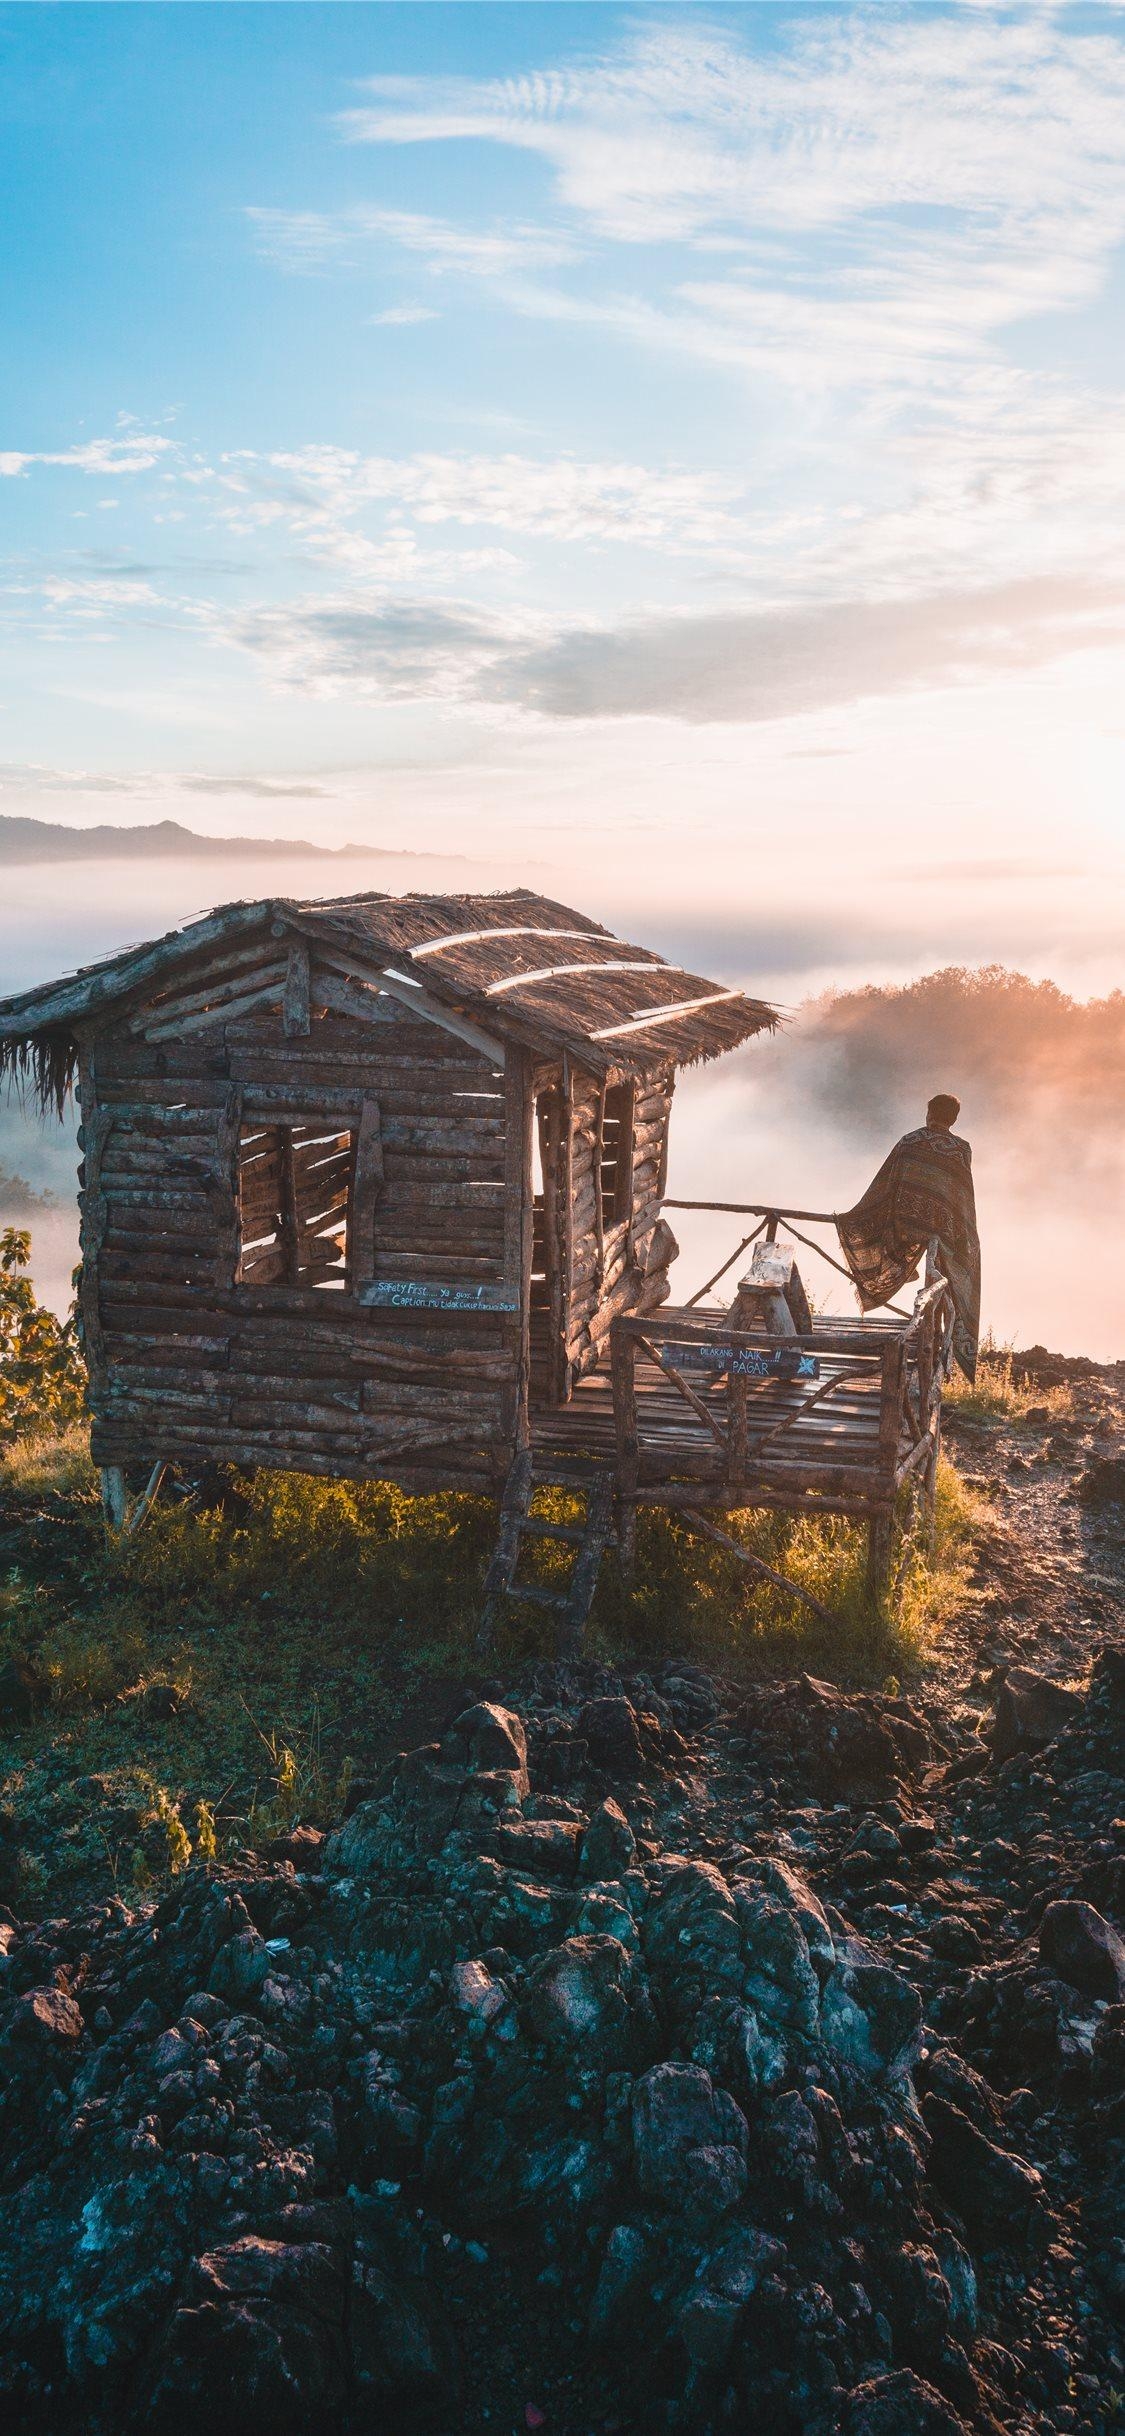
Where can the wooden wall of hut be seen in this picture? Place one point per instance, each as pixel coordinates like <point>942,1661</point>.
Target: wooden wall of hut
<point>398,1155</point>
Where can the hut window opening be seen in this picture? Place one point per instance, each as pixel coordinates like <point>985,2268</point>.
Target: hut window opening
<point>616,1178</point>
<point>294,1197</point>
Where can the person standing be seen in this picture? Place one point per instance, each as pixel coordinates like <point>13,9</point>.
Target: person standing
<point>924,1189</point>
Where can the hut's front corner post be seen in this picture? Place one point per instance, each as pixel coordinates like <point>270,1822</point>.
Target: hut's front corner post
<point>115,1501</point>
<point>623,1360</point>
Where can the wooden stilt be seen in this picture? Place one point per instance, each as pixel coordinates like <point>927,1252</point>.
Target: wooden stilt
<point>114,1497</point>
<point>142,1506</point>
<point>624,1363</point>
<point>878,1556</point>
<point>123,1518</point>
<point>513,1514</point>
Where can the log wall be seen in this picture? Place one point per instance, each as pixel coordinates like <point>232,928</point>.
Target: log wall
<point>197,1351</point>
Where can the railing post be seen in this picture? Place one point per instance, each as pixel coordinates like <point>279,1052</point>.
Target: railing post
<point>623,1364</point>
<point>879,1529</point>
<point>878,1556</point>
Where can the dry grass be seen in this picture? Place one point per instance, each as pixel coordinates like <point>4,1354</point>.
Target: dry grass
<point>699,1599</point>
<point>47,1464</point>
<point>314,1625</point>
<point>1001,1393</point>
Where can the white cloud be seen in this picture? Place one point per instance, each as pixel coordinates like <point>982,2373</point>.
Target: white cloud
<point>95,592</point>
<point>685,132</point>
<point>131,455</point>
<point>873,206</point>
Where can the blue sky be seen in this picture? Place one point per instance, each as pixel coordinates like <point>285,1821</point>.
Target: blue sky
<point>681,448</point>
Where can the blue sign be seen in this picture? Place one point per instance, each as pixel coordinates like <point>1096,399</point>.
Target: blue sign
<point>743,1361</point>
<point>419,1294</point>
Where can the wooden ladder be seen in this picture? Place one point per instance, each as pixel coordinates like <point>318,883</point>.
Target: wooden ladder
<point>571,1601</point>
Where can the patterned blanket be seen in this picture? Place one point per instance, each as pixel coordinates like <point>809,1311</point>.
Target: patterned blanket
<point>924,1188</point>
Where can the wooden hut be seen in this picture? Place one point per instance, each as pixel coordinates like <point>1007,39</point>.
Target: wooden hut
<point>364,1179</point>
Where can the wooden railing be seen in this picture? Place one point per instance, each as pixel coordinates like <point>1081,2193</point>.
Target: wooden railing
<point>770,1217</point>
<point>775,1455</point>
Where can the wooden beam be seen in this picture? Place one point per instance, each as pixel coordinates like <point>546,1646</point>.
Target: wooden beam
<point>624,1364</point>
<point>121,976</point>
<point>364,1194</point>
<point>878,1570</point>
<point>410,994</point>
<point>114,1498</point>
<point>295,1020</point>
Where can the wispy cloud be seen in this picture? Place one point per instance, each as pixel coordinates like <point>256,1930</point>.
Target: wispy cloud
<point>304,241</point>
<point>559,496</point>
<point>401,316</point>
<point>737,667</point>
<point>29,779</point>
<point>1006,127</point>
<point>871,210</point>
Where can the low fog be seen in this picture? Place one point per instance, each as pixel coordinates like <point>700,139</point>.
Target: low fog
<point>803,1118</point>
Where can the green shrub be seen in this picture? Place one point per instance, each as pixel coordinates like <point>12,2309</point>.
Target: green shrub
<point>42,1374</point>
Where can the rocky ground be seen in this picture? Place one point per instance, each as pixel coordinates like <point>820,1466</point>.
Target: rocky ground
<point>642,2052</point>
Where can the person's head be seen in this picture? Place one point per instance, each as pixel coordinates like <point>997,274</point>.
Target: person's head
<point>943,1110</point>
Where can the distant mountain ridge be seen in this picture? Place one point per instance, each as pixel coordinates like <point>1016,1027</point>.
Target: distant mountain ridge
<point>23,840</point>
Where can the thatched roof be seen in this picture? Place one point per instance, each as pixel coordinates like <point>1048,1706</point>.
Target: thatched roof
<point>518,964</point>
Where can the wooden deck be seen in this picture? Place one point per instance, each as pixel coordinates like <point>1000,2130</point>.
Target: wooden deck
<point>840,1440</point>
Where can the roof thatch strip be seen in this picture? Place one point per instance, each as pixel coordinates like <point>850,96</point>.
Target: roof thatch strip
<point>580,1005</point>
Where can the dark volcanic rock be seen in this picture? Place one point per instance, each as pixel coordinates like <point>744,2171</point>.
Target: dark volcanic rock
<point>898,2405</point>
<point>487,1737</point>
<point>360,2146</point>
<point>608,1727</point>
<point>689,2141</point>
<point>47,2017</point>
<point>609,1845</point>
<point>1083,1948</point>
<point>256,2344</point>
<point>848,1742</point>
<point>997,2194</point>
<point>1031,1710</point>
<point>1103,1481</point>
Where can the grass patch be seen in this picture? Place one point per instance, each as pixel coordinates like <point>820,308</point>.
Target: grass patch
<point>45,1465</point>
<point>1001,1392</point>
<point>227,1674</point>
<point>698,1599</point>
